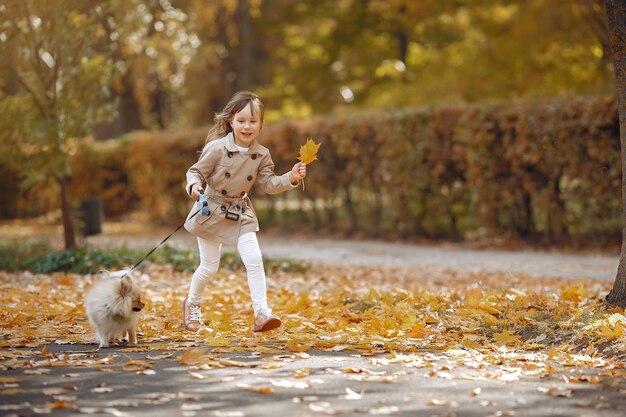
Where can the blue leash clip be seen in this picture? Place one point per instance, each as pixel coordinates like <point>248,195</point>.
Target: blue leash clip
<point>203,205</point>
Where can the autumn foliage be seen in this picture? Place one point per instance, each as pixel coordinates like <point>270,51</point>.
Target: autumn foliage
<point>546,169</point>
<point>369,310</point>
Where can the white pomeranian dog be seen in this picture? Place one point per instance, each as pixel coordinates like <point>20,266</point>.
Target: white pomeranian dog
<point>113,304</point>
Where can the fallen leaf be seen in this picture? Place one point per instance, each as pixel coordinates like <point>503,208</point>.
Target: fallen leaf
<point>556,391</point>
<point>506,336</point>
<point>192,356</point>
<point>388,410</point>
<point>441,403</point>
<point>284,383</point>
<point>54,391</point>
<point>351,395</point>
<point>61,405</point>
<point>260,390</point>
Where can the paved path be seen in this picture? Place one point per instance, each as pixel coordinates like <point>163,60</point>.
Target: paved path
<point>533,263</point>
<point>398,254</point>
<point>335,383</point>
<point>432,383</point>
<point>366,252</point>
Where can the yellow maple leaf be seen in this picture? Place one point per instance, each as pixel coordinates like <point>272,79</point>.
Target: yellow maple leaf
<point>418,331</point>
<point>218,342</point>
<point>574,293</point>
<point>192,356</point>
<point>613,332</point>
<point>470,343</point>
<point>506,336</point>
<point>298,347</point>
<point>308,151</point>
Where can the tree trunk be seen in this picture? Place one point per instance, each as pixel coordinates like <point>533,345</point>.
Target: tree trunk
<point>159,104</point>
<point>129,113</point>
<point>616,15</point>
<point>67,213</point>
<point>352,215</point>
<point>245,58</point>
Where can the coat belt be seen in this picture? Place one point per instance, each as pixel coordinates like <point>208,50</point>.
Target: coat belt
<point>219,197</point>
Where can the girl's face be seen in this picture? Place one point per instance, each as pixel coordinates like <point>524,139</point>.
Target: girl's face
<point>246,126</point>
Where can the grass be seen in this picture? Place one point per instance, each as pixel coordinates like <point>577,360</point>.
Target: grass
<point>38,256</point>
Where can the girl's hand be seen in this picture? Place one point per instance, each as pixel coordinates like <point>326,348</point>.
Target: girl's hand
<point>297,173</point>
<point>196,189</point>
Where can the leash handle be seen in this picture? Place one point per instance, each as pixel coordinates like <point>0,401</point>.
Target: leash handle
<point>163,241</point>
<point>203,204</point>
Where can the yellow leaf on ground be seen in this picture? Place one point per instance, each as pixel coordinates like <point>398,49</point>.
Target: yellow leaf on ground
<point>574,293</point>
<point>470,343</point>
<point>418,331</point>
<point>613,328</point>
<point>297,347</point>
<point>218,342</point>
<point>65,280</point>
<point>506,336</point>
<point>61,405</point>
<point>260,390</point>
<point>191,356</point>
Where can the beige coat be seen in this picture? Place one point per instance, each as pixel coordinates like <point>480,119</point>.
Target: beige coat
<point>227,176</point>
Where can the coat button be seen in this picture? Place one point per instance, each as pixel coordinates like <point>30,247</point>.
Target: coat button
<point>243,193</point>
<point>223,192</point>
<point>223,208</point>
<point>227,175</point>
<point>249,177</point>
<point>253,156</point>
<point>230,154</point>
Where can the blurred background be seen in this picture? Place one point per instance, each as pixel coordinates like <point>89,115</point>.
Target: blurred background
<point>439,119</point>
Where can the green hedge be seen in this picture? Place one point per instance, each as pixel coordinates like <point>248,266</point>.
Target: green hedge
<point>526,168</point>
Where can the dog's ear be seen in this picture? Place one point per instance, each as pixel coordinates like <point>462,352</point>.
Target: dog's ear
<point>126,286</point>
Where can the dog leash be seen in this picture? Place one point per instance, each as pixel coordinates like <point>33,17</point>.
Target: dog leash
<point>203,208</point>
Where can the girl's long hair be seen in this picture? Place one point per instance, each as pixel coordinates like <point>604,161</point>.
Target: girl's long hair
<point>237,103</point>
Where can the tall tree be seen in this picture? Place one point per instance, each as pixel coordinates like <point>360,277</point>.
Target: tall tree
<point>151,43</point>
<point>228,58</point>
<point>62,80</point>
<point>309,57</point>
<point>616,16</point>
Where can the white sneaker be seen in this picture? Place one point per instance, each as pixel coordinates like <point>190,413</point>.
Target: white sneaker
<point>192,317</point>
<point>265,320</point>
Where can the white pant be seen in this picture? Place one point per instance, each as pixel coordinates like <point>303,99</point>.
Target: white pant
<point>250,253</point>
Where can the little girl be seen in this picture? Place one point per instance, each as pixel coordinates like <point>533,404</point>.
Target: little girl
<point>231,162</point>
